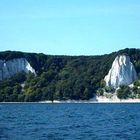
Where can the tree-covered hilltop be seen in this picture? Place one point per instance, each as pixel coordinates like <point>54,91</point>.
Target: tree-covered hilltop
<point>60,77</point>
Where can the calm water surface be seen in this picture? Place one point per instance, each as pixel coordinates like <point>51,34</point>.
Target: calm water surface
<point>69,121</point>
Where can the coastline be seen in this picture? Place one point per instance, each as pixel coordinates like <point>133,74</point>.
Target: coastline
<point>101,99</point>
<point>97,99</point>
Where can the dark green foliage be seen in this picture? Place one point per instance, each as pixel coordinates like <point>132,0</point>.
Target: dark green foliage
<point>100,92</point>
<point>19,77</point>
<point>130,92</point>
<point>136,88</point>
<point>137,82</point>
<point>102,83</point>
<point>8,55</point>
<point>136,92</point>
<point>109,89</point>
<point>60,77</point>
<point>10,90</point>
<point>124,92</point>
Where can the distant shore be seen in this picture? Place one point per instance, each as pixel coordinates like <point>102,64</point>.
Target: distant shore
<point>98,99</point>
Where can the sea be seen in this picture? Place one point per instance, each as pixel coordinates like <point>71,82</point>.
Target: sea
<point>42,121</point>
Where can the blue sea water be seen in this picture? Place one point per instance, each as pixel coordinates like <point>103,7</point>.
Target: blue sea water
<point>34,121</point>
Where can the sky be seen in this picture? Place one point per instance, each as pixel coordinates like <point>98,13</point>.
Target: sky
<point>69,27</point>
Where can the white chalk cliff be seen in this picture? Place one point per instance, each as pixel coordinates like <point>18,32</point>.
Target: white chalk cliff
<point>11,67</point>
<point>122,72</point>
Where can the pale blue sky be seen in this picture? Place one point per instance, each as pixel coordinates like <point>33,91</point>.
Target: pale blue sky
<point>69,27</point>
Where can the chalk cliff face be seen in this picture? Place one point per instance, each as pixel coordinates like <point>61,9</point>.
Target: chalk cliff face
<point>11,67</point>
<point>122,72</point>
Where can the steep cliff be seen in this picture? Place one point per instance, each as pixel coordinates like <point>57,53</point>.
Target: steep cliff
<point>122,72</point>
<point>11,67</point>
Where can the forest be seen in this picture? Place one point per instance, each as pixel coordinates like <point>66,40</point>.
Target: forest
<point>60,77</point>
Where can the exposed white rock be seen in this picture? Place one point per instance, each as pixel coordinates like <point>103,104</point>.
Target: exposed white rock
<point>11,67</point>
<point>122,72</point>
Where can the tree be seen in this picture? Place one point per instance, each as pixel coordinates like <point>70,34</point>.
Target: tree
<point>17,89</point>
<point>63,77</point>
<point>100,92</point>
<point>137,82</point>
<point>102,83</point>
<point>124,92</point>
<point>109,89</point>
<point>8,90</point>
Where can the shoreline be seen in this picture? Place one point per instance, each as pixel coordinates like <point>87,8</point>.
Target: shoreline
<point>100,99</point>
